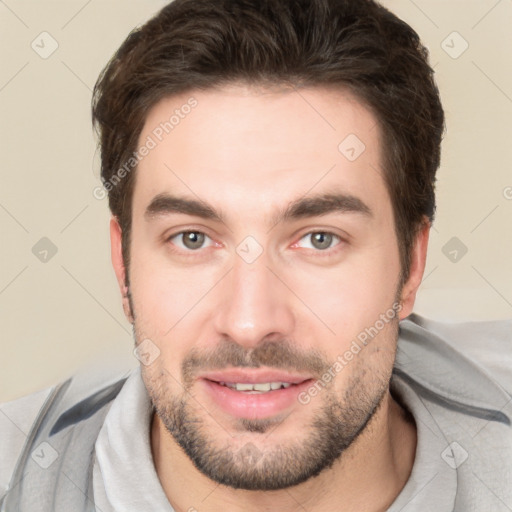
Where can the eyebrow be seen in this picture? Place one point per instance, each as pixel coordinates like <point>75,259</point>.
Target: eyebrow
<point>304,207</point>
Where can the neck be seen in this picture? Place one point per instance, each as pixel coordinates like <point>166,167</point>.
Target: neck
<point>368,476</point>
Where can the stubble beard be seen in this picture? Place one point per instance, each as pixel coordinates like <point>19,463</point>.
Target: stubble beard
<point>259,464</point>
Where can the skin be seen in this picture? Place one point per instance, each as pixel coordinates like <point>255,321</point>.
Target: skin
<point>249,153</point>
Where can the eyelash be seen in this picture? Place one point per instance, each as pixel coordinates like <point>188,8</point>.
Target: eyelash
<point>325,252</point>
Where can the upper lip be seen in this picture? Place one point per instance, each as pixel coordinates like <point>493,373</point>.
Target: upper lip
<point>254,376</point>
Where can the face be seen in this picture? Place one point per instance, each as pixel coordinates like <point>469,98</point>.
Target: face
<point>264,275</point>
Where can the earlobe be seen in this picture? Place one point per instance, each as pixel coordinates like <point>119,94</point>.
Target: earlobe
<point>116,253</point>
<point>417,268</point>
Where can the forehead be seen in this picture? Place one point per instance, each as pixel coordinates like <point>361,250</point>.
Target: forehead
<point>248,148</point>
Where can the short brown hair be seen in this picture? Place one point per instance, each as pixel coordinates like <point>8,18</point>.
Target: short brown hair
<point>355,44</point>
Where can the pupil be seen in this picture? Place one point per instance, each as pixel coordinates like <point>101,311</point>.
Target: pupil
<point>193,240</point>
<point>322,240</point>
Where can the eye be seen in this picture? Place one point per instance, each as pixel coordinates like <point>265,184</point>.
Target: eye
<point>189,240</point>
<point>320,240</point>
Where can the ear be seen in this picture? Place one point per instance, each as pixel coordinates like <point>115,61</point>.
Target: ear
<point>116,253</point>
<point>417,268</point>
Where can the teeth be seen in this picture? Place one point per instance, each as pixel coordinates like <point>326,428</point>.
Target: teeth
<point>262,387</point>
<point>246,387</point>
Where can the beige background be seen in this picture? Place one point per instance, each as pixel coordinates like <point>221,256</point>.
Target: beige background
<point>64,314</point>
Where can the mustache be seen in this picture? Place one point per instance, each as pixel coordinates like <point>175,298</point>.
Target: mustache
<point>273,354</point>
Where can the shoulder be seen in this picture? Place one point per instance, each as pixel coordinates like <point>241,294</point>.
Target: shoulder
<point>63,405</point>
<point>462,374</point>
<point>16,420</point>
<point>487,344</point>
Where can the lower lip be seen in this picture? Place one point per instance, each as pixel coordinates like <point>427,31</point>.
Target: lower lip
<point>254,405</point>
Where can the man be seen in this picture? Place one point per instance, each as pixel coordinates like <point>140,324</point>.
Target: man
<point>270,167</point>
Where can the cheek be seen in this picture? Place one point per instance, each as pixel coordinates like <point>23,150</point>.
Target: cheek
<point>160,301</point>
<point>169,300</point>
<point>350,297</point>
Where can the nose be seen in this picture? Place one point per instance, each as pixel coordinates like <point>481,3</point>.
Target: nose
<point>254,304</point>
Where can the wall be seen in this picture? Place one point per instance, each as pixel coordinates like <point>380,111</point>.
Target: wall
<point>61,312</point>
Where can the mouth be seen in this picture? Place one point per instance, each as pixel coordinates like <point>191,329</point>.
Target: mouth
<point>254,394</point>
